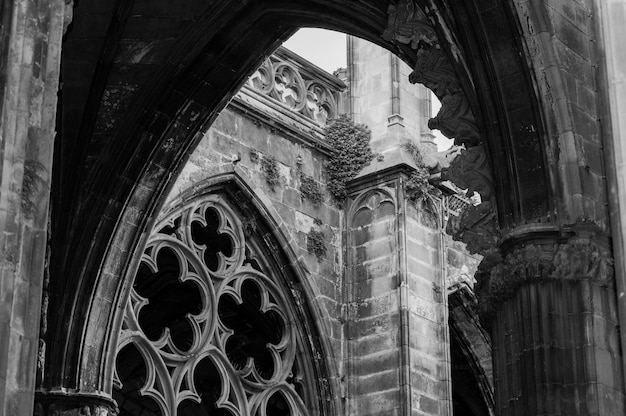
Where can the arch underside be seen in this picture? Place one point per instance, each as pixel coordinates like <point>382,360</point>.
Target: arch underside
<point>140,103</point>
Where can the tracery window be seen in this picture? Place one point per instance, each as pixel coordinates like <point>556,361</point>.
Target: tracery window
<point>208,329</point>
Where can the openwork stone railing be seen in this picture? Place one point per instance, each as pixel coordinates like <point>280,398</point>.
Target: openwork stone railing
<point>298,85</point>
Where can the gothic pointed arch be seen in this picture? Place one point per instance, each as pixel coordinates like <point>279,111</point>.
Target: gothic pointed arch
<point>220,319</point>
<point>134,138</point>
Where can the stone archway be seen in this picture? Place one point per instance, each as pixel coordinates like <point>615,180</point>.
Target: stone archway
<point>125,170</point>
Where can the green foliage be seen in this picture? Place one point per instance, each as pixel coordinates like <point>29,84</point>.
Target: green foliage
<point>418,189</point>
<point>315,243</point>
<point>351,153</point>
<point>254,156</point>
<point>310,189</point>
<point>30,185</point>
<point>269,166</point>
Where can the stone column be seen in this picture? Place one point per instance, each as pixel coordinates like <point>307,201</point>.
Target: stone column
<point>397,326</point>
<point>552,305</point>
<point>30,60</point>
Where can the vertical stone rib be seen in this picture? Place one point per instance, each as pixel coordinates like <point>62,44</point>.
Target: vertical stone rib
<point>403,287</point>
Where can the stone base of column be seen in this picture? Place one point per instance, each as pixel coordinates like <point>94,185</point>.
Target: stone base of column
<point>66,404</point>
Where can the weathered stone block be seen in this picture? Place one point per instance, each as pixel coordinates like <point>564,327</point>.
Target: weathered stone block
<point>381,380</point>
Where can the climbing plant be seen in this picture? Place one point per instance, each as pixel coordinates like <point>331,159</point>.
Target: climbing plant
<point>418,189</point>
<point>315,243</point>
<point>309,187</point>
<point>30,185</point>
<point>269,166</point>
<point>351,153</point>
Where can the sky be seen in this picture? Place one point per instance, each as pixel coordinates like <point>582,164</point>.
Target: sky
<point>327,49</point>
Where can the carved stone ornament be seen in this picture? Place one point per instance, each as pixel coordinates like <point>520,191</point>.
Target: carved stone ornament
<point>282,81</point>
<point>73,405</point>
<point>408,25</point>
<point>579,259</point>
<point>469,169</point>
<point>207,328</point>
<point>476,226</point>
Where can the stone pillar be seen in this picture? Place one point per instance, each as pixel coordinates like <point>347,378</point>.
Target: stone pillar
<point>30,57</point>
<point>554,326</point>
<point>612,84</point>
<point>397,326</point>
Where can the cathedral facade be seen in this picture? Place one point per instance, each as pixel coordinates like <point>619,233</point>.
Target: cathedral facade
<point>174,240</point>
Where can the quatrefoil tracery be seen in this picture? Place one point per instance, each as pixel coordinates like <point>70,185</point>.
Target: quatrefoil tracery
<point>209,327</point>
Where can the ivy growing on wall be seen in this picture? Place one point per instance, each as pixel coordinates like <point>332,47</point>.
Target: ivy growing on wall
<point>351,153</point>
<point>315,243</point>
<point>31,182</point>
<point>418,189</point>
<point>269,166</point>
<point>309,188</point>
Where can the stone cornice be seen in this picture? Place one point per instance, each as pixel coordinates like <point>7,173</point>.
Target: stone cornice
<point>62,403</point>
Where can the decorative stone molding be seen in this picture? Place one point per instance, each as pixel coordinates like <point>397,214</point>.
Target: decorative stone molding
<point>579,259</point>
<point>476,226</point>
<point>469,169</point>
<point>294,84</point>
<point>53,404</point>
<point>408,24</point>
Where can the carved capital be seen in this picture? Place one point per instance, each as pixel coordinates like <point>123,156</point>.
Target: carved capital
<point>578,259</point>
<point>57,404</point>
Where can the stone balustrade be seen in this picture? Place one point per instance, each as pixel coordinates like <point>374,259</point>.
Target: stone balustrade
<point>298,85</point>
